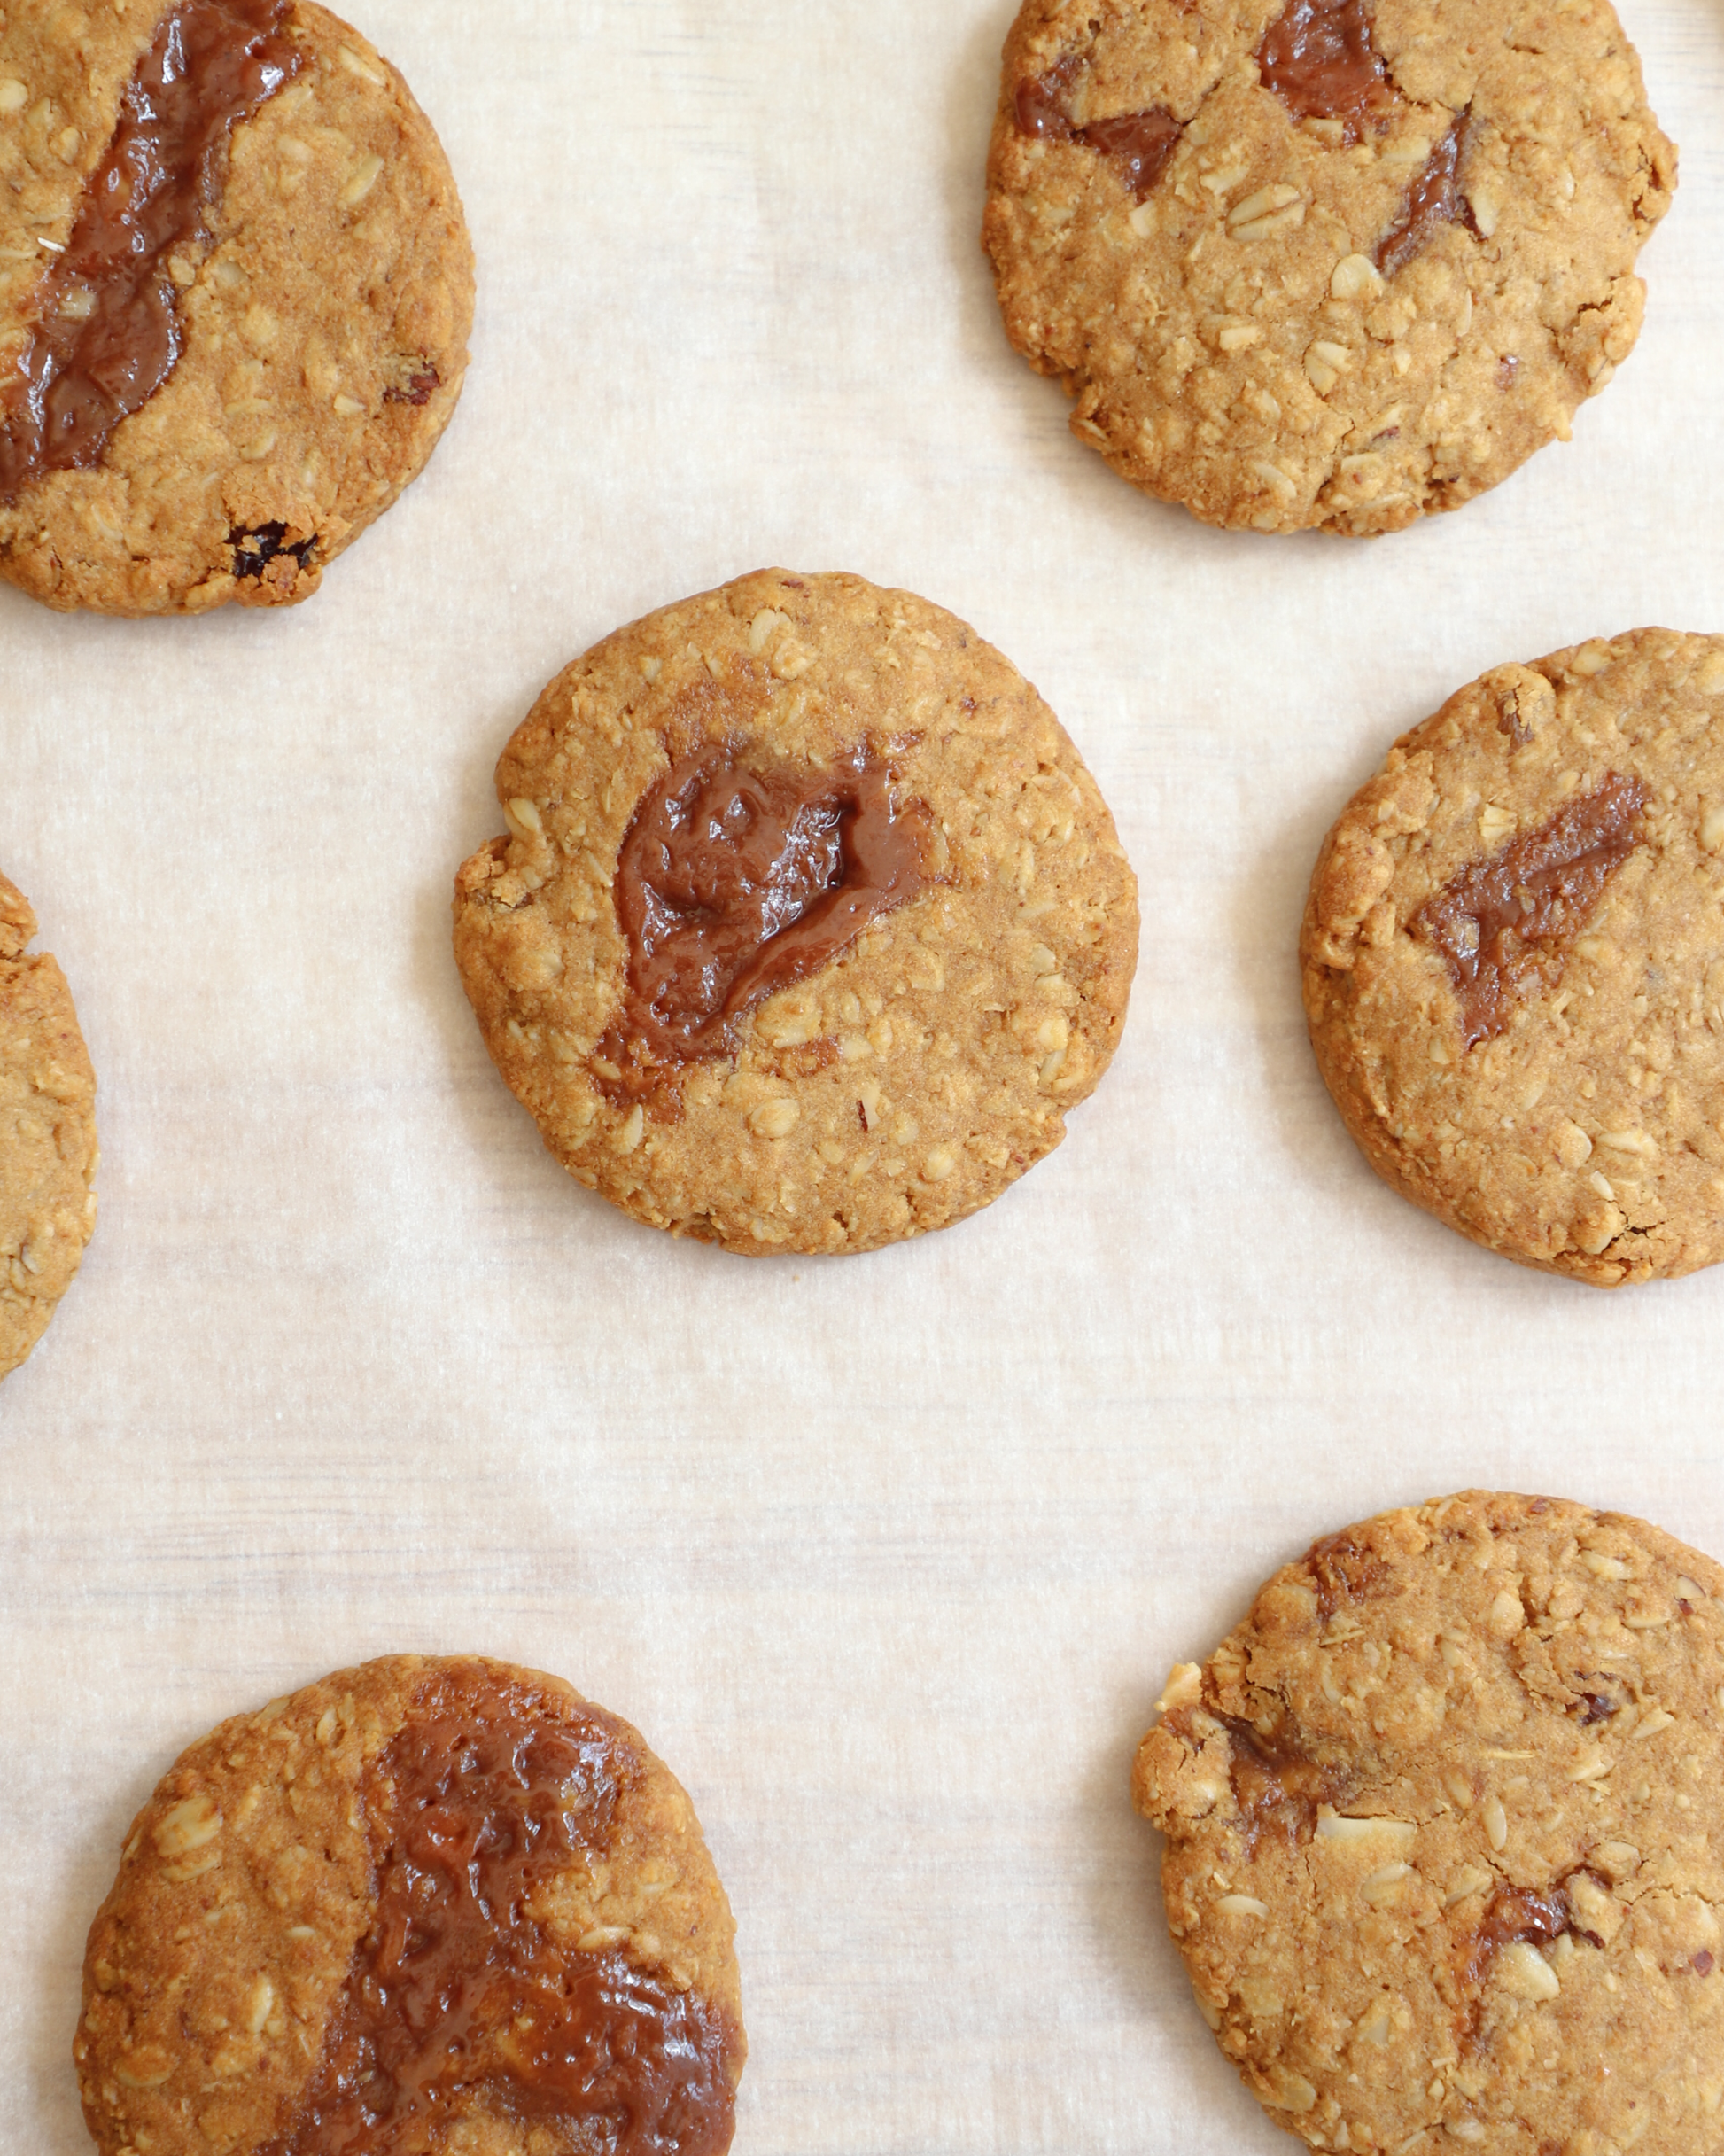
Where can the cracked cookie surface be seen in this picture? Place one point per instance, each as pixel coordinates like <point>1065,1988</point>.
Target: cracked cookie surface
<point>319,292</point>
<point>426,1903</point>
<point>952,922</point>
<point>47,1135</point>
<point>1443,1855</point>
<point>1513,961</point>
<point>1315,263</point>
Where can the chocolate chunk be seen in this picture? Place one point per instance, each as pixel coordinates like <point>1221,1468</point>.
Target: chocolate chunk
<point>1515,1914</point>
<point>1139,145</point>
<point>459,1993</point>
<point>1276,1787</point>
<point>108,334</point>
<point>1041,106</point>
<point>1320,58</point>
<point>735,881</point>
<point>419,388</point>
<point>1434,199</point>
<point>1506,926</point>
<point>254,549</point>
<point>1343,1571</point>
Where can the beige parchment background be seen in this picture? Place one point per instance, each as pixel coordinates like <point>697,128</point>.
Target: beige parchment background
<point>888,1556</point>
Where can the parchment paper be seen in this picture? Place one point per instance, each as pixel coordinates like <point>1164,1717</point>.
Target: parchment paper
<point>888,1556</point>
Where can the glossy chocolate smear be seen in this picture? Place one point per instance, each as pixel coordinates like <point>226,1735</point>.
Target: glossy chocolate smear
<point>1506,926</point>
<point>1434,199</point>
<point>1137,144</point>
<point>109,331</point>
<point>1320,58</point>
<point>460,2000</point>
<point>737,880</point>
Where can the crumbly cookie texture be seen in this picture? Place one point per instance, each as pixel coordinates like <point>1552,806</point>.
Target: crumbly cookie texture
<point>1582,1131</point>
<point>325,320</point>
<point>933,1060</point>
<point>1443,1854</point>
<point>47,1135</point>
<point>217,1967</point>
<point>1239,330</point>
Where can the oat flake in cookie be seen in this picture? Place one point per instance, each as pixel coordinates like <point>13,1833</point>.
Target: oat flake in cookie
<point>235,294</point>
<point>1322,262</point>
<point>811,924</point>
<point>1444,1854</point>
<point>1513,958</point>
<point>423,1905</point>
<point>47,1135</point>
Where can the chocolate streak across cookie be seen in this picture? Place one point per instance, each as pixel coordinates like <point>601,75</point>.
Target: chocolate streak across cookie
<point>109,331</point>
<point>735,881</point>
<point>1507,924</point>
<point>1138,144</point>
<point>459,1991</point>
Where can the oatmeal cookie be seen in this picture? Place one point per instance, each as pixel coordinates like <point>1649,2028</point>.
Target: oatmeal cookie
<point>1513,959</point>
<point>1322,262</point>
<point>1443,1851</point>
<point>235,293</point>
<point>47,1135</point>
<point>423,1904</point>
<point>811,925</point>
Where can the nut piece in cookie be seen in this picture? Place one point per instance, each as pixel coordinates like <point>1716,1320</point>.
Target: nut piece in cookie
<point>1443,1852</point>
<point>47,1135</point>
<point>1329,263</point>
<point>1513,961</point>
<point>423,1904</point>
<point>235,293</point>
<point>809,925</point>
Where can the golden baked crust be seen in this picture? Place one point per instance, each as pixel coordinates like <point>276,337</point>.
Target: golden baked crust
<point>325,322</point>
<point>1230,338</point>
<point>47,1135</point>
<point>929,1064</point>
<point>1443,1853</point>
<point>1583,1137</point>
<point>219,1961</point>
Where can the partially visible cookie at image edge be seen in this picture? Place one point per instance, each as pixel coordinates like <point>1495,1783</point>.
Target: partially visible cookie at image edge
<point>1443,1856</point>
<point>1513,960</point>
<point>1316,262</point>
<point>439,1902</point>
<point>235,288</point>
<point>48,1154</point>
<point>811,924</point>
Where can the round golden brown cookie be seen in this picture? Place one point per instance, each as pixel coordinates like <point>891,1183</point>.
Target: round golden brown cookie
<point>235,294</point>
<point>811,925</point>
<point>1443,1854</point>
<point>47,1135</point>
<point>1513,960</point>
<point>1322,262</point>
<point>424,1904</point>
